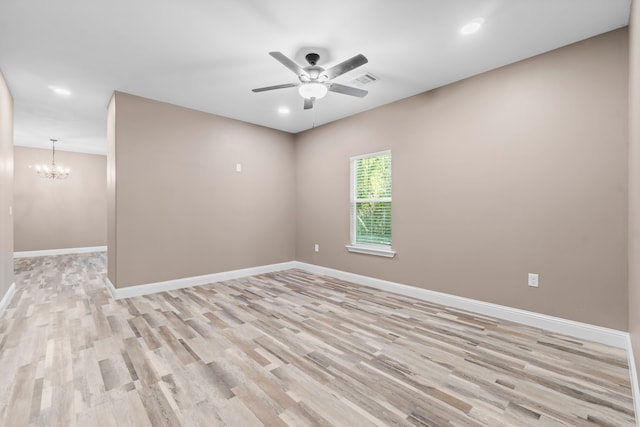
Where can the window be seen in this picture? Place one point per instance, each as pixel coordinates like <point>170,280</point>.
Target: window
<point>371,204</point>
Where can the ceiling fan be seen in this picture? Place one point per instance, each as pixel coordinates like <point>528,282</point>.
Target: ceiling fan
<point>315,80</point>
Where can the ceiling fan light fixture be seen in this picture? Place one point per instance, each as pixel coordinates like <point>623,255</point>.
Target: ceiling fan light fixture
<point>315,80</point>
<point>313,90</point>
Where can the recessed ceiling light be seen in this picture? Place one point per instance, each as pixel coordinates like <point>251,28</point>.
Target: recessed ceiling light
<point>473,26</point>
<point>60,90</point>
<point>284,110</point>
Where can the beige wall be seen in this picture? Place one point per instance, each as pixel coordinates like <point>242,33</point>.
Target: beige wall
<point>57,214</point>
<point>111,190</point>
<point>190,213</point>
<point>6,187</point>
<point>522,169</point>
<point>634,180</point>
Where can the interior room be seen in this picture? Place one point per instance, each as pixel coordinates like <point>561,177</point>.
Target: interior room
<point>372,213</point>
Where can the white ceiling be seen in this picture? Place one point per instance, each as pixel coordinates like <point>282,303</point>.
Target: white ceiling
<point>209,54</point>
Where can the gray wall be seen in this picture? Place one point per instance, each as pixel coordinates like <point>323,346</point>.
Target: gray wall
<point>178,206</point>
<point>6,187</point>
<point>634,180</point>
<point>56,214</point>
<point>522,169</point>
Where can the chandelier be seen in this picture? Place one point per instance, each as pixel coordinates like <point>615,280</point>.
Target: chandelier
<point>53,171</point>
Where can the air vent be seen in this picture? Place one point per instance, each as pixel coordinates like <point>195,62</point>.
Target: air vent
<point>365,80</point>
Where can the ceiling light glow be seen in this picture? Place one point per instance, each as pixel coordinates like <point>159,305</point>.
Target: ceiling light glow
<point>313,90</point>
<point>60,90</point>
<point>473,26</point>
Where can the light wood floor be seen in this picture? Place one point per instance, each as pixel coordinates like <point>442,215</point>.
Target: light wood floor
<point>284,349</point>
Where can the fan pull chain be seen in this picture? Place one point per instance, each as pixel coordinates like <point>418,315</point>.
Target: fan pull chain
<point>313,122</point>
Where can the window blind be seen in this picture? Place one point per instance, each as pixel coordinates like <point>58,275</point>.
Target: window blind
<point>371,199</point>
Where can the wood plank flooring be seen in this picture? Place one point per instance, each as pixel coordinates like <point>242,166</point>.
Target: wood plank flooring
<point>284,349</point>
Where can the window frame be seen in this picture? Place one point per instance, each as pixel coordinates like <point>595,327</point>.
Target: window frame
<point>366,248</point>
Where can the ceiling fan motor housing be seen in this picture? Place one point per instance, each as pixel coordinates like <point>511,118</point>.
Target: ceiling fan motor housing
<point>313,71</point>
<point>312,58</point>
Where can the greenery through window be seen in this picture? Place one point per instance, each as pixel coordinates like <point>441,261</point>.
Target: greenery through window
<point>371,199</point>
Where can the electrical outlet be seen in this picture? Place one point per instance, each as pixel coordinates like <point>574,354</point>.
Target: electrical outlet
<point>316,247</point>
<point>238,167</point>
<point>533,280</point>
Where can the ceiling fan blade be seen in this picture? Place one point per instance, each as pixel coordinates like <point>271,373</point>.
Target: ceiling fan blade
<point>346,66</point>
<point>308,103</point>
<point>347,90</point>
<point>280,57</point>
<point>283,86</point>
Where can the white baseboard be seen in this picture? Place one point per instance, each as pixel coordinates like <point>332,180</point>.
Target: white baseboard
<point>169,285</point>
<point>110,288</point>
<point>612,337</point>
<point>64,251</point>
<point>6,299</point>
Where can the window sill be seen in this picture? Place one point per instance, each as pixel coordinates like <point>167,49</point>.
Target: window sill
<point>372,250</point>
